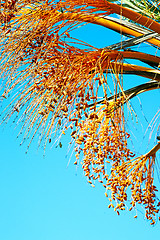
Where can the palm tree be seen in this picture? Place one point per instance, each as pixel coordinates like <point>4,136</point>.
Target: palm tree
<point>57,81</point>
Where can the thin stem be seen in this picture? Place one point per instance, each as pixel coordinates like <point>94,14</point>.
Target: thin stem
<point>153,150</point>
<point>132,92</point>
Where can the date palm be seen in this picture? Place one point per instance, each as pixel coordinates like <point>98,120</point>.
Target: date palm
<point>58,80</point>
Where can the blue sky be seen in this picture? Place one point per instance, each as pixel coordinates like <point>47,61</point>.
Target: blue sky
<point>49,198</point>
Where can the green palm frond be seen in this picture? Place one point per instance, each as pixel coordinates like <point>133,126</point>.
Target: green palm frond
<point>148,8</point>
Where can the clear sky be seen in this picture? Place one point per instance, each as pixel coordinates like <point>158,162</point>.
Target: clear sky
<point>49,198</point>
